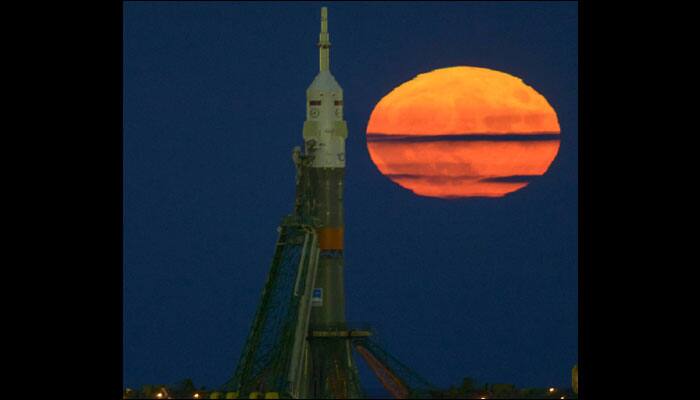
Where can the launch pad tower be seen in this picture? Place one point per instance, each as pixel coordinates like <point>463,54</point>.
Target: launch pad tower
<point>300,345</point>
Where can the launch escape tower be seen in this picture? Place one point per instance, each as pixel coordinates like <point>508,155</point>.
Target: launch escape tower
<point>300,345</point>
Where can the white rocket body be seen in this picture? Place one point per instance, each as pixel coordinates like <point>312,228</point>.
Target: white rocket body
<point>325,130</point>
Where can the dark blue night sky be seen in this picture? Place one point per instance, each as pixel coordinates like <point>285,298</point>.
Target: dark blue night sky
<point>214,102</point>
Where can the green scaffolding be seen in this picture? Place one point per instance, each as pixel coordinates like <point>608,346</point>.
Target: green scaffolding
<point>267,356</point>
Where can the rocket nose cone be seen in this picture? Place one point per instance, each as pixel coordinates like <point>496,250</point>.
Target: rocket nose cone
<point>325,81</point>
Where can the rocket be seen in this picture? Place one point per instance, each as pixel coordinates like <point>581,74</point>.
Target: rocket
<point>328,369</point>
<point>305,349</point>
<point>324,134</point>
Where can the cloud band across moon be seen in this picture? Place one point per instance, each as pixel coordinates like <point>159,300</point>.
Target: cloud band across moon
<point>463,132</point>
<point>471,137</point>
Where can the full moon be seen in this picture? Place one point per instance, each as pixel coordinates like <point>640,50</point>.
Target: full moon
<point>463,132</point>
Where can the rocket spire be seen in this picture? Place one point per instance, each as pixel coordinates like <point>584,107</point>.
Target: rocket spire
<point>324,43</point>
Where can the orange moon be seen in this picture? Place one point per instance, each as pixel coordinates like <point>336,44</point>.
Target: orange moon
<point>463,132</point>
